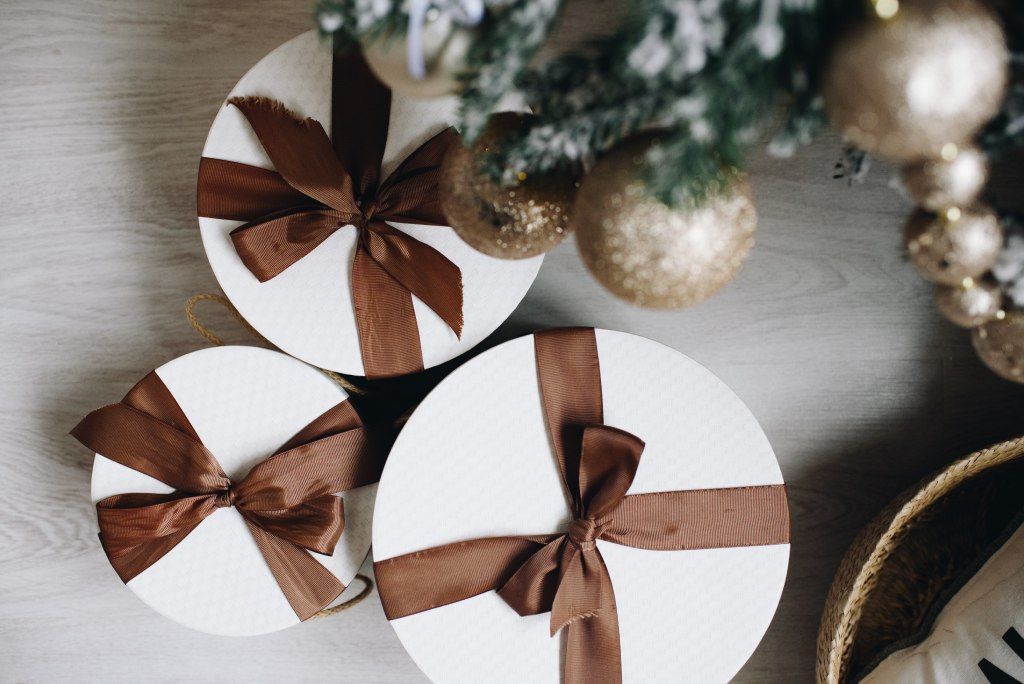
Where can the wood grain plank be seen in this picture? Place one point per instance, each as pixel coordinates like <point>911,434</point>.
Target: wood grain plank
<point>827,334</point>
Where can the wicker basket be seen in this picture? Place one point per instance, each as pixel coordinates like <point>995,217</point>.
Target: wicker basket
<point>917,546</point>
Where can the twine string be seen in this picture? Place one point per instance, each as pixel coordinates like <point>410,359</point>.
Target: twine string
<point>215,340</point>
<point>345,605</point>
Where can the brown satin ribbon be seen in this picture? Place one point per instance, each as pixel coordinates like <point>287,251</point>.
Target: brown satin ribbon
<point>287,500</point>
<point>320,186</point>
<point>564,573</point>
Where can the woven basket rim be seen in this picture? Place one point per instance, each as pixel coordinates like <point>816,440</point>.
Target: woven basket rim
<point>859,570</point>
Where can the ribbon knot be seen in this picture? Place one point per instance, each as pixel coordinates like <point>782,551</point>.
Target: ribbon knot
<point>583,532</point>
<point>366,215</point>
<point>567,576</point>
<point>290,211</point>
<point>225,499</point>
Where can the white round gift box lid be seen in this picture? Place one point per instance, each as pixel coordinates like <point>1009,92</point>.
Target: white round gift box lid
<point>475,461</point>
<point>244,403</point>
<point>307,311</point>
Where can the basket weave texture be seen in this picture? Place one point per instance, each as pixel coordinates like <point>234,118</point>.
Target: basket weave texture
<point>901,561</point>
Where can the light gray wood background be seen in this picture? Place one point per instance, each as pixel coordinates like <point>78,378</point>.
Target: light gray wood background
<point>827,334</point>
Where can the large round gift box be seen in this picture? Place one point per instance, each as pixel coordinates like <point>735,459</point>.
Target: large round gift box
<point>308,309</point>
<point>475,460</point>
<point>244,403</point>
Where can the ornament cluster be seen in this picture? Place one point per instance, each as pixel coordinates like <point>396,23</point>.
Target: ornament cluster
<point>914,85</point>
<point>637,146</point>
<point>640,248</point>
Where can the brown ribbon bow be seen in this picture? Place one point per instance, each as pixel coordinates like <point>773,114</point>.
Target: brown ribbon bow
<point>287,500</point>
<point>320,186</point>
<point>564,573</point>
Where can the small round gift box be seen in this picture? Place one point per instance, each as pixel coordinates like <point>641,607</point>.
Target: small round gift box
<point>318,208</point>
<point>234,489</point>
<point>581,505</point>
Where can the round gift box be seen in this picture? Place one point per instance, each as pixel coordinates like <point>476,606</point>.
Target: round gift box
<point>307,311</point>
<point>244,403</point>
<point>475,460</point>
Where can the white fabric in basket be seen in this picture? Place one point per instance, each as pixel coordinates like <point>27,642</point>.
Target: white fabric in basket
<point>974,633</point>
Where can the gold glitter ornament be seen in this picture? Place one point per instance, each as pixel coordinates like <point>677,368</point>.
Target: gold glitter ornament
<point>953,180</point>
<point>947,248</point>
<point>969,304</point>
<point>651,254</point>
<point>517,222</point>
<point>445,46</point>
<point>932,74</point>
<point>1000,345</point>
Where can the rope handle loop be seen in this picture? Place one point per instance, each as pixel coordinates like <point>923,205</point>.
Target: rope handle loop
<point>215,340</point>
<point>345,605</point>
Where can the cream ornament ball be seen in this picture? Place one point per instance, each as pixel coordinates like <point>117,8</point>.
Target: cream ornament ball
<point>1000,345</point>
<point>970,304</point>
<point>516,222</point>
<point>446,45</point>
<point>959,244</point>
<point>905,86</point>
<point>956,179</point>
<point>649,253</point>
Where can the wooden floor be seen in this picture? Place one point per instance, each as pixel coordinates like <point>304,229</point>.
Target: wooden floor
<point>828,335</point>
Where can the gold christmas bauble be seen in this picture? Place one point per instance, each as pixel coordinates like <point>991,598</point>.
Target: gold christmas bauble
<point>515,222</point>
<point>969,304</point>
<point>935,72</point>
<point>954,180</point>
<point>649,253</point>
<point>445,47</point>
<point>946,248</point>
<point>1000,345</point>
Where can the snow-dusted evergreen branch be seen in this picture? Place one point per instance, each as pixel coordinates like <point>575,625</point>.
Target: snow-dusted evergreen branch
<point>715,75</point>
<point>711,73</point>
<point>500,52</point>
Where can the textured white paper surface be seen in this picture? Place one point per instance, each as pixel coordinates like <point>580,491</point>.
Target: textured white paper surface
<point>307,311</point>
<point>474,460</point>
<point>244,402</point>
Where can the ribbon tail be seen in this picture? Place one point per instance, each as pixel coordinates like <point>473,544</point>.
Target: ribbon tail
<point>584,609</point>
<point>132,562</point>
<point>137,530</point>
<point>389,338</point>
<point>420,269</point>
<point>306,584</point>
<point>300,151</point>
<point>533,587</point>
<point>593,652</point>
